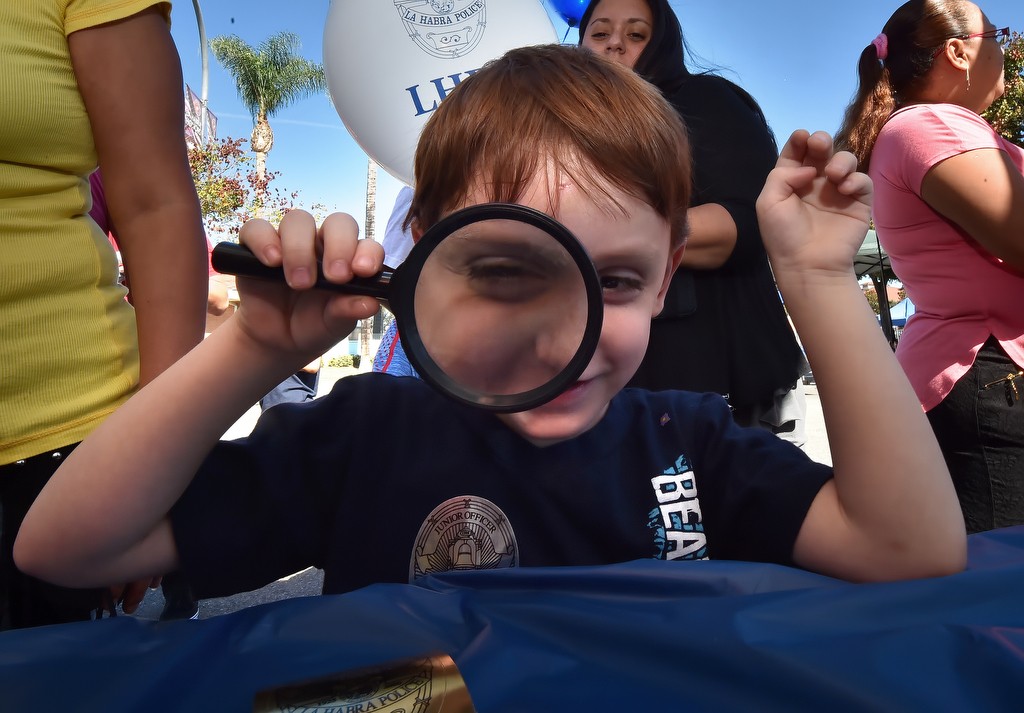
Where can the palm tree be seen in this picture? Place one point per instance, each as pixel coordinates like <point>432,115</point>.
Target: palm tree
<point>370,233</point>
<point>269,78</point>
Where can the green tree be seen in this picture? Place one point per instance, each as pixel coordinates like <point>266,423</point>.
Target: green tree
<point>218,170</point>
<point>1007,113</point>
<point>872,296</point>
<point>269,78</point>
<point>230,192</point>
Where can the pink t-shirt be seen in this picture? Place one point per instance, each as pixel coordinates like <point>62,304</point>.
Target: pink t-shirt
<point>962,293</point>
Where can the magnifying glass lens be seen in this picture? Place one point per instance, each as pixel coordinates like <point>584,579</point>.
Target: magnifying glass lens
<point>501,307</point>
<point>498,304</point>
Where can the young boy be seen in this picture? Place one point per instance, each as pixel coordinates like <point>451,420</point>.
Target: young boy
<point>600,475</point>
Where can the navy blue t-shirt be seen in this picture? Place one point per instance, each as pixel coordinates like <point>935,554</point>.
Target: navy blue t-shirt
<point>384,480</point>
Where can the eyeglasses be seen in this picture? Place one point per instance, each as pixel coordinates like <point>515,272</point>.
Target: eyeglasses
<point>1002,35</point>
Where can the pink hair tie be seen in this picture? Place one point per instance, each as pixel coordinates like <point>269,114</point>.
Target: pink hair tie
<point>881,44</point>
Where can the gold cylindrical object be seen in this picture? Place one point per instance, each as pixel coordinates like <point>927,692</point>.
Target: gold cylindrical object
<point>430,684</point>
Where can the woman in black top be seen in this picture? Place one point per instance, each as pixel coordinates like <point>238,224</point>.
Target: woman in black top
<point>723,328</point>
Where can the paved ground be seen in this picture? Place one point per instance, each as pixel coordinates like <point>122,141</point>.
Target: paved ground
<point>817,439</point>
<point>308,583</point>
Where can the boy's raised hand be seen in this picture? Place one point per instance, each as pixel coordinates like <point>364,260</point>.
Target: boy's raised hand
<point>867,523</point>
<point>294,317</point>
<point>815,207</point>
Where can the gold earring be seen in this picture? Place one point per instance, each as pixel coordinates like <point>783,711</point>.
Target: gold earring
<point>968,79</point>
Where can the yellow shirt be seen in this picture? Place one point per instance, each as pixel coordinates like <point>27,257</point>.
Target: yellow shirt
<point>68,345</point>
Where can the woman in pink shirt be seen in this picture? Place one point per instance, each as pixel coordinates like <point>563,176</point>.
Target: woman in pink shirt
<point>949,210</point>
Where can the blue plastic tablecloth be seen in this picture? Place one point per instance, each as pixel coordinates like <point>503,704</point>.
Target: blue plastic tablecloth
<point>646,635</point>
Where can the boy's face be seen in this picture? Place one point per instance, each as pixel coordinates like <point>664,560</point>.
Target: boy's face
<point>631,252</point>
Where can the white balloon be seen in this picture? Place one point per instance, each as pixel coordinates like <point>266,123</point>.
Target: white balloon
<point>390,62</point>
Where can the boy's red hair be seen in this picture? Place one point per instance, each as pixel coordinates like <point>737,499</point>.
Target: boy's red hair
<point>597,123</point>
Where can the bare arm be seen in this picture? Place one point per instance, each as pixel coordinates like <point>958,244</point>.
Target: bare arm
<point>891,511</point>
<point>105,510</point>
<point>711,237</point>
<point>217,300</point>
<point>130,78</point>
<point>103,517</point>
<point>982,192</point>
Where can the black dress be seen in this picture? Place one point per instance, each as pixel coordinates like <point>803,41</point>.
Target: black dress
<point>724,330</point>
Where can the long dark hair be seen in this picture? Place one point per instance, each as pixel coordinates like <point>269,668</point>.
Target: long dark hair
<point>663,61</point>
<point>914,34</point>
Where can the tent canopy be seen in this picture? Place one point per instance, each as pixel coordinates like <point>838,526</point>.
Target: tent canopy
<point>901,311</point>
<point>871,259</point>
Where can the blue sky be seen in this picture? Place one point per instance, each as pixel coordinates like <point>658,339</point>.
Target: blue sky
<point>797,57</point>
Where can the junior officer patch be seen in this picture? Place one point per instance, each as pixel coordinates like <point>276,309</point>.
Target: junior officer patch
<point>467,532</point>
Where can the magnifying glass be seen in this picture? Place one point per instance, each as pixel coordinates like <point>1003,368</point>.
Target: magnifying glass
<point>498,305</point>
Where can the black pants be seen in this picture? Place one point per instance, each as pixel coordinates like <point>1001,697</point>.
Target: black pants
<point>982,439</point>
<point>26,601</point>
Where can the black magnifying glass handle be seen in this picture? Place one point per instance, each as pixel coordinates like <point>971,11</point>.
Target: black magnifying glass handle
<point>233,259</point>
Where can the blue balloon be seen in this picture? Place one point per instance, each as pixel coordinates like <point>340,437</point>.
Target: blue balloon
<point>570,10</point>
